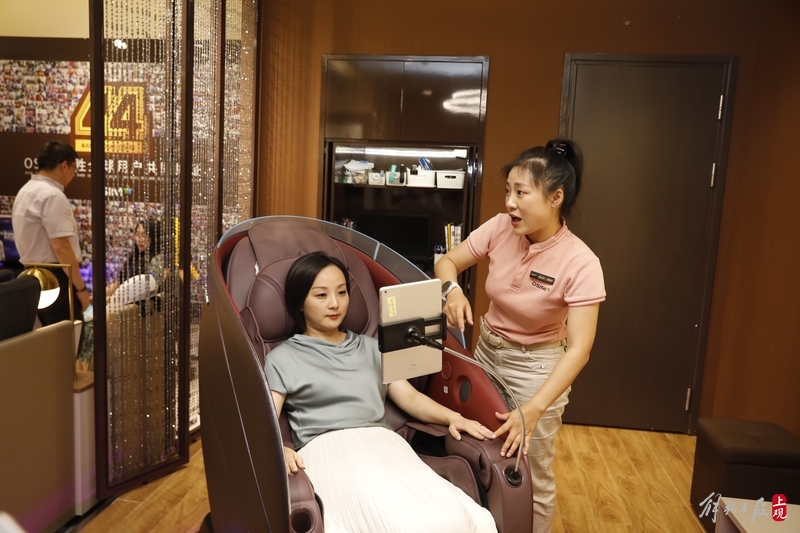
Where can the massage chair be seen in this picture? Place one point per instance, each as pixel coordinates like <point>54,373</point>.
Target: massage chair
<point>245,318</point>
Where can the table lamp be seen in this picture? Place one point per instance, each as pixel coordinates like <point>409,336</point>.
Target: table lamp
<point>49,283</point>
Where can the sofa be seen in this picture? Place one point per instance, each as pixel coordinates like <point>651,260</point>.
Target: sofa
<point>37,447</point>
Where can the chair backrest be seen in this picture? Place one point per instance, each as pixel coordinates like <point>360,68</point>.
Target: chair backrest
<point>256,273</point>
<point>19,299</point>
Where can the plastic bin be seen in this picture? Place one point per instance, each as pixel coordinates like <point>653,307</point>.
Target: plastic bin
<point>421,178</point>
<point>450,179</point>
<point>377,178</point>
<point>394,180</point>
<point>355,176</point>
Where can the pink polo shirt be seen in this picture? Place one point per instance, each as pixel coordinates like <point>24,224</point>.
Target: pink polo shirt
<point>532,286</point>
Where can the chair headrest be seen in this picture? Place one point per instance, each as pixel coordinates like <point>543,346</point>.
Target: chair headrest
<point>19,299</point>
<point>257,269</point>
<point>6,274</point>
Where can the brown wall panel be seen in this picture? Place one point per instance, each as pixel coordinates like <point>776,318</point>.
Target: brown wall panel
<point>292,34</point>
<point>753,356</point>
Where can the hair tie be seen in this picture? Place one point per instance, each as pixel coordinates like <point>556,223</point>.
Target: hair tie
<point>559,148</point>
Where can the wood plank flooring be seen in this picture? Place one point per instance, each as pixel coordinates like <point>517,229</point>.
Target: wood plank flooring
<point>609,481</point>
<point>176,503</point>
<point>619,480</point>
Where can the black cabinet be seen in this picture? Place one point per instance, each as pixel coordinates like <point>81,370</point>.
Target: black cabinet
<point>390,111</point>
<point>442,101</point>
<point>363,99</point>
<point>415,99</point>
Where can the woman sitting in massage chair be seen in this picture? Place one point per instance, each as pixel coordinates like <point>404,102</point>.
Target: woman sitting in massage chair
<point>329,382</point>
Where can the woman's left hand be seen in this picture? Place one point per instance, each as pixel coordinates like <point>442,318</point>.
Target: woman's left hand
<point>512,426</point>
<point>473,427</point>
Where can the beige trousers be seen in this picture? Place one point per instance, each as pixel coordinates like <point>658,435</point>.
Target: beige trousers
<point>525,371</point>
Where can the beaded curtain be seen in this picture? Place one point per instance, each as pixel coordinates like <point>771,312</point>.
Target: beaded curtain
<point>142,69</point>
<point>142,86</point>
<point>238,147</point>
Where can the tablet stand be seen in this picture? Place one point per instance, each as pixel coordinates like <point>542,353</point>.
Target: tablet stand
<point>408,333</point>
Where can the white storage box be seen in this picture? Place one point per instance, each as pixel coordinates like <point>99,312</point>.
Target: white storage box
<point>421,178</point>
<point>377,178</point>
<point>394,179</point>
<point>450,179</point>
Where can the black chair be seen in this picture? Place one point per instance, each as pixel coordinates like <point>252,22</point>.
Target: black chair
<point>6,274</point>
<point>19,299</point>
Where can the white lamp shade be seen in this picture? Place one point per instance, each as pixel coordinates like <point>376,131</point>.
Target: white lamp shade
<point>48,282</point>
<point>48,297</point>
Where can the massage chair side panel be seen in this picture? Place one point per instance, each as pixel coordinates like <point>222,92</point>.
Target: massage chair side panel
<point>511,504</point>
<point>242,450</point>
<point>467,389</point>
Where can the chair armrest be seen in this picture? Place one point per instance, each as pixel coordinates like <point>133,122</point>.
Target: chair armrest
<point>306,512</point>
<point>286,432</point>
<point>482,455</point>
<point>306,509</point>
<point>300,488</point>
<point>457,471</point>
<point>510,505</point>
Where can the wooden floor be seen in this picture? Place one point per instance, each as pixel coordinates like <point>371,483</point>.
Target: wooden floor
<point>609,480</point>
<point>619,480</point>
<point>176,503</point>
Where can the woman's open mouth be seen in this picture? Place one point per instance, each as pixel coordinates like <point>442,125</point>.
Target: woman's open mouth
<point>515,220</point>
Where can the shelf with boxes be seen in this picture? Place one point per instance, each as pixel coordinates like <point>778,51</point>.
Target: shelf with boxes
<point>425,179</point>
<point>401,194</point>
<point>404,111</point>
<point>400,167</point>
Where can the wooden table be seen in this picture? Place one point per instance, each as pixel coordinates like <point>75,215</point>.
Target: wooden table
<point>736,515</point>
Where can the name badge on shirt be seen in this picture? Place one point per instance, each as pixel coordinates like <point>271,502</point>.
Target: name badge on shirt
<point>543,278</point>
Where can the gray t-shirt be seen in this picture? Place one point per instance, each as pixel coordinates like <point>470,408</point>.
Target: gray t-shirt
<point>328,386</point>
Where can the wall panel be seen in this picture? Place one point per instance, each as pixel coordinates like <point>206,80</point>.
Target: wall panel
<point>526,43</point>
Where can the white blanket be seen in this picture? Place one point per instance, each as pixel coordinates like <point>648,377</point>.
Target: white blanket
<point>371,481</point>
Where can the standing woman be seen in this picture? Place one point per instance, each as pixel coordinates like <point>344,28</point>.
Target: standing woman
<point>545,287</point>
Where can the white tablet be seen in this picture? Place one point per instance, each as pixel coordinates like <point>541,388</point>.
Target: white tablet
<point>420,299</point>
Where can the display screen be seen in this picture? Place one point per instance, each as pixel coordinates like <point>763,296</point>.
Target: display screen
<point>407,235</point>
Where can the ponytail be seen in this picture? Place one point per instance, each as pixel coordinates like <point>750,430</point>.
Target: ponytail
<point>557,165</point>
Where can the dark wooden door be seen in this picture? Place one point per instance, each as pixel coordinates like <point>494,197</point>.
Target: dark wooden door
<point>653,133</point>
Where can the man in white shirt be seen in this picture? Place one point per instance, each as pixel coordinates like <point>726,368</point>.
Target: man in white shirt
<point>45,230</point>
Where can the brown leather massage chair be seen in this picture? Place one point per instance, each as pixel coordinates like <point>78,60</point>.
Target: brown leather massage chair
<point>245,318</point>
